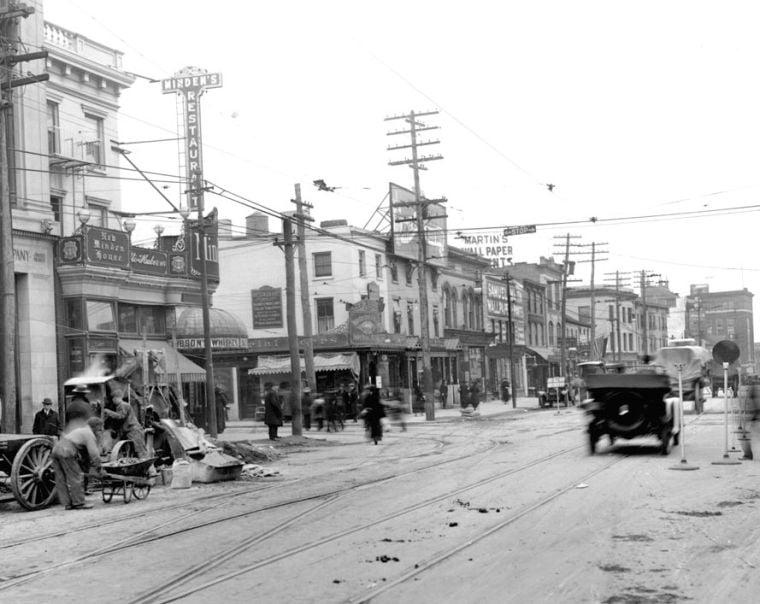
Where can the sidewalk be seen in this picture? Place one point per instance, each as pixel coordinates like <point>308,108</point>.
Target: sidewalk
<point>252,430</point>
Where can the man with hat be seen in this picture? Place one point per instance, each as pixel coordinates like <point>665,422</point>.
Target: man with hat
<point>306,408</point>
<point>272,411</point>
<point>77,446</point>
<point>79,407</point>
<point>46,421</point>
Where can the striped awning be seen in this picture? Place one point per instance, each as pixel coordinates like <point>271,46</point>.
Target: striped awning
<point>322,362</point>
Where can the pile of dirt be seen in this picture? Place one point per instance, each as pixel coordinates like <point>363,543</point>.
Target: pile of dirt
<point>249,452</point>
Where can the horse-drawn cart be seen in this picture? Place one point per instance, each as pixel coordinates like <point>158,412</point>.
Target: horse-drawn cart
<point>26,470</point>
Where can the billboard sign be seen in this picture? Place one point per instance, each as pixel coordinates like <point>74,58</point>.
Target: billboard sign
<point>492,246</point>
<point>404,236</point>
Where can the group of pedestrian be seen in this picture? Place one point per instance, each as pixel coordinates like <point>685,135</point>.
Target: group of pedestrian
<point>469,395</point>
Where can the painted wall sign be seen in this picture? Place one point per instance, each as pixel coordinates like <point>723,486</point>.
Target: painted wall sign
<point>266,305</point>
<point>217,343</point>
<point>492,246</point>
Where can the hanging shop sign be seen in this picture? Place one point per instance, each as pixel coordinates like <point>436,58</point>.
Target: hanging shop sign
<point>106,247</point>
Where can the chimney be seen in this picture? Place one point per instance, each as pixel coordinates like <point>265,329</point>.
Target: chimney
<point>256,224</point>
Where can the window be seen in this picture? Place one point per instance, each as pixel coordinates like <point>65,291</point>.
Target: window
<point>94,140</point>
<point>323,264</point>
<point>436,323</point>
<point>446,307</point>
<point>454,318</point>
<point>584,314</point>
<point>434,279</point>
<point>396,321</point>
<point>551,333</point>
<point>409,273</point>
<point>362,263</point>
<point>394,272</point>
<point>471,313</point>
<point>612,312</point>
<point>74,314</point>
<point>379,266</point>
<point>465,313</point>
<point>54,129</point>
<point>127,318</point>
<point>98,214</point>
<point>56,203</point>
<point>100,316</point>
<point>325,315</point>
<point>410,317</point>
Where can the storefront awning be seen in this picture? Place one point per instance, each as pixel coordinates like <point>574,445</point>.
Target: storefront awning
<point>322,362</point>
<point>173,361</point>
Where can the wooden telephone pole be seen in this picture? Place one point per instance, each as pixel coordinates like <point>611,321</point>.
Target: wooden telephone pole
<point>290,312</point>
<point>308,342</point>
<point>9,58</point>
<point>417,163</point>
<point>593,260</point>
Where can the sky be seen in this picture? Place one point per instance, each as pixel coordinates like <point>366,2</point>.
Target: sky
<point>644,116</point>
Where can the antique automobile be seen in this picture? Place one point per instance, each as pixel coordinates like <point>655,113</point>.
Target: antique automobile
<point>557,391</point>
<point>694,364</point>
<point>632,404</point>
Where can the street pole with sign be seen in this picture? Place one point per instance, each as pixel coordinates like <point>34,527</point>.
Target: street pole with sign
<point>725,352</point>
<point>684,465</point>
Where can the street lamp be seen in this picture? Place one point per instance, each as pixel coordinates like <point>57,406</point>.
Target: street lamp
<point>84,216</point>
<point>129,225</point>
<point>159,229</point>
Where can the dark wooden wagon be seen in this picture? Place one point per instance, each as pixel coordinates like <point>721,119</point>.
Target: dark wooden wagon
<point>26,470</point>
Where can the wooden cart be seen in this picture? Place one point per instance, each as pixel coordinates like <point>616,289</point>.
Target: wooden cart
<point>26,470</point>
<point>127,479</point>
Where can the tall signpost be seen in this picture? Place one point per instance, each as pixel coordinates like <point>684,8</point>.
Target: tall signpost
<point>190,83</point>
<point>725,352</point>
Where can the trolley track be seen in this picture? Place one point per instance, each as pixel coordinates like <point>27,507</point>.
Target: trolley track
<point>150,535</point>
<point>206,566</point>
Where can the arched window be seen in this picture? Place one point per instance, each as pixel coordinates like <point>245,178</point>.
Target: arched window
<point>471,311</point>
<point>454,301</point>
<point>446,305</point>
<point>551,333</point>
<point>465,314</point>
<point>542,335</point>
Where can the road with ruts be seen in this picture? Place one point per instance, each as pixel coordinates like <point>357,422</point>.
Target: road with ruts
<point>507,508</point>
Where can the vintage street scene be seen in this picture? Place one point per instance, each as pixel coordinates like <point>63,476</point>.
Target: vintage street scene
<point>402,302</point>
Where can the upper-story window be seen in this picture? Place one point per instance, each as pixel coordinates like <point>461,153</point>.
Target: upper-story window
<point>322,264</point>
<point>379,266</point>
<point>410,317</point>
<point>325,314</point>
<point>362,263</point>
<point>394,272</point>
<point>100,315</point>
<point>436,323</point>
<point>409,272</point>
<point>94,139</point>
<point>53,128</point>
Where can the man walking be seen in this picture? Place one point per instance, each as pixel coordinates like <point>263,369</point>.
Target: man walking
<point>272,411</point>
<point>46,421</point>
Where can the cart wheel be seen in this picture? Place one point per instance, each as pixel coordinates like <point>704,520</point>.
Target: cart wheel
<point>32,476</point>
<point>122,449</point>
<point>107,494</point>
<point>127,489</point>
<point>140,491</point>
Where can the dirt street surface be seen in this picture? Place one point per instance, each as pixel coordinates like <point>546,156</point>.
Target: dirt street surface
<point>505,507</point>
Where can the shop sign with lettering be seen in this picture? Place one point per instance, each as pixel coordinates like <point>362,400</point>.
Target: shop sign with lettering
<point>107,247</point>
<point>148,261</point>
<point>266,303</point>
<point>217,343</point>
<point>70,250</point>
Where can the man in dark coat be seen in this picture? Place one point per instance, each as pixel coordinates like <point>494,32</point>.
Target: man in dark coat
<point>306,408</point>
<point>272,411</point>
<point>46,421</point>
<point>222,403</point>
<point>373,412</point>
<point>120,418</point>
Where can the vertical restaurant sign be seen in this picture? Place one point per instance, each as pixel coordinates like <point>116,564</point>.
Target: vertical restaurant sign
<point>266,304</point>
<point>211,246</point>
<point>405,238</point>
<point>191,83</point>
<point>106,247</point>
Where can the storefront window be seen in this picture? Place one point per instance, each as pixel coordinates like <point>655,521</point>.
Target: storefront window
<point>100,316</point>
<point>152,320</point>
<point>74,314</point>
<point>127,318</point>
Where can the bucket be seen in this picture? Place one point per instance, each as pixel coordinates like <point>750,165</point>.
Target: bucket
<point>181,474</point>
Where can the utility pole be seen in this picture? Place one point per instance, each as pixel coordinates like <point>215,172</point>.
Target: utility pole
<point>645,318</point>
<point>9,58</point>
<point>563,305</point>
<point>420,204</point>
<point>511,334</point>
<point>308,342</point>
<point>617,347</point>
<point>593,260</point>
<point>290,311</point>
